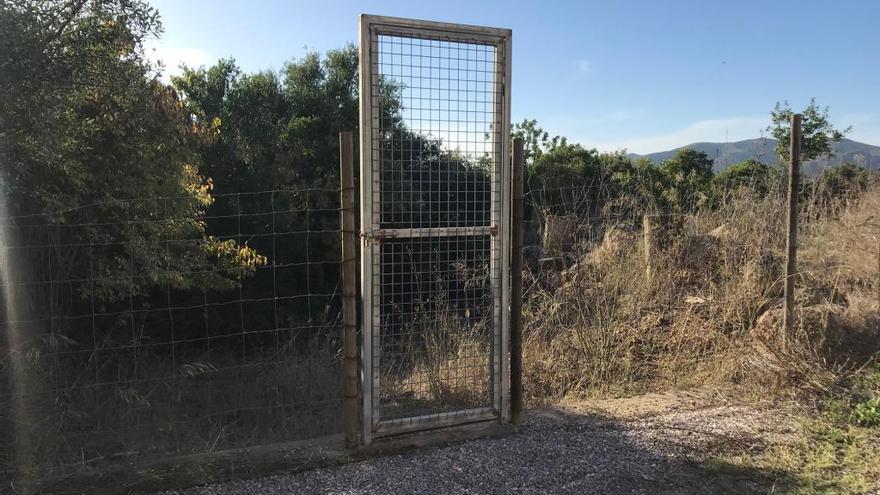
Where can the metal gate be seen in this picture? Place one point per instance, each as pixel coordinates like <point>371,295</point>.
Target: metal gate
<point>435,127</point>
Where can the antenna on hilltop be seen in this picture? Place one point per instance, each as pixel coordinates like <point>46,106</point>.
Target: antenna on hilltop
<point>726,142</point>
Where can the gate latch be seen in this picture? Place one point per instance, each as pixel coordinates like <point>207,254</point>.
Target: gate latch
<point>375,237</point>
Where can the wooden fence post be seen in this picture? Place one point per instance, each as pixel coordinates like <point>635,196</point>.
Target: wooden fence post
<point>646,228</point>
<point>349,289</point>
<point>791,244</point>
<point>516,248</point>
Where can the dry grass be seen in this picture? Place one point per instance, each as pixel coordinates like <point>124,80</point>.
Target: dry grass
<point>709,311</point>
<point>199,407</point>
<point>443,363</point>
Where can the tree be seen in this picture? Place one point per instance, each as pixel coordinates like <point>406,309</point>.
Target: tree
<point>536,141</point>
<point>276,149</point>
<point>534,138</point>
<point>631,186</point>
<point>747,174</point>
<point>687,177</point>
<point>274,130</point>
<point>86,122</point>
<point>817,131</point>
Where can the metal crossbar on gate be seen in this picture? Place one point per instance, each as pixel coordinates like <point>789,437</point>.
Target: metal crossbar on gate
<point>435,126</point>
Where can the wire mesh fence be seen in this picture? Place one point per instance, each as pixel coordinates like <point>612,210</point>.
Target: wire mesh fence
<point>146,328</point>
<point>435,139</point>
<point>437,311</point>
<point>142,328</point>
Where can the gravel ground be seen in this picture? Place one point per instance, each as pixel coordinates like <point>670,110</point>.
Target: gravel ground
<point>557,451</point>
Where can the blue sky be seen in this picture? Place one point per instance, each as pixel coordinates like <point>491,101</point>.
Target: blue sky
<point>644,75</point>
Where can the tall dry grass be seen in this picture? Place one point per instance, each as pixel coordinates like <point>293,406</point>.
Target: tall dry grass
<point>710,310</point>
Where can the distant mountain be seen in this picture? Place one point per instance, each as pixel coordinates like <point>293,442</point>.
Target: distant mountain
<point>763,149</point>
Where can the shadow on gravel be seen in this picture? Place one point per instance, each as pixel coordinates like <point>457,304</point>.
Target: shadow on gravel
<point>553,452</point>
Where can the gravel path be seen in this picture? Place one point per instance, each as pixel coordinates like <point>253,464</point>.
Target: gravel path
<point>556,452</point>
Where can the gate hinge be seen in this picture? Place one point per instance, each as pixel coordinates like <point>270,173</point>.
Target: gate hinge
<point>493,231</point>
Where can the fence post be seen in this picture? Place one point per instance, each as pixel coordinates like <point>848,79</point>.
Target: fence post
<point>516,248</point>
<point>349,291</point>
<point>791,244</point>
<point>648,234</point>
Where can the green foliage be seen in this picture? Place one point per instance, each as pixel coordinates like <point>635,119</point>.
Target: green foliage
<point>749,174</point>
<point>835,449</point>
<point>843,181</point>
<point>860,404</point>
<point>274,131</point>
<point>818,133</point>
<point>687,177</point>
<point>86,122</point>
<point>566,178</point>
<point>535,139</point>
<point>563,166</point>
<point>560,179</point>
<point>867,413</point>
<point>277,132</point>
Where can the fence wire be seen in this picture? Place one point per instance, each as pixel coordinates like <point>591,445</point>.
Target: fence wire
<point>139,329</point>
<point>142,328</point>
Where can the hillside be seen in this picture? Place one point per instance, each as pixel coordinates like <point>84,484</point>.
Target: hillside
<point>724,154</point>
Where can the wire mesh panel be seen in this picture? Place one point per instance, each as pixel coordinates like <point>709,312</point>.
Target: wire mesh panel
<point>128,334</point>
<point>434,123</point>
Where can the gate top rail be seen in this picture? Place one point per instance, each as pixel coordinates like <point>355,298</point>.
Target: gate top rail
<point>416,28</point>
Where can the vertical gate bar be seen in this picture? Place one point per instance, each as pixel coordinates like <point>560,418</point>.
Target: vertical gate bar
<point>496,201</point>
<point>504,138</point>
<point>516,241</point>
<point>366,176</point>
<point>349,288</point>
<point>375,193</point>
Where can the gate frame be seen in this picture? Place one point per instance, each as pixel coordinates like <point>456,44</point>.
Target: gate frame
<point>370,27</point>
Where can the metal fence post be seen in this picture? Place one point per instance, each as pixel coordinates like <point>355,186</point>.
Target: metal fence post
<point>349,291</point>
<point>791,244</point>
<point>516,241</point>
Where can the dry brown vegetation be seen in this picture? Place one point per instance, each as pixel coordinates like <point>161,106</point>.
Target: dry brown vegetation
<point>709,311</point>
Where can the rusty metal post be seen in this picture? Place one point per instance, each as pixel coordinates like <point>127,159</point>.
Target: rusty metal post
<point>516,248</point>
<point>349,291</point>
<point>791,244</point>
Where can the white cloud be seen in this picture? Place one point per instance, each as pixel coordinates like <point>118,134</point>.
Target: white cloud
<point>173,57</point>
<point>622,115</point>
<point>715,130</point>
<point>584,67</point>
